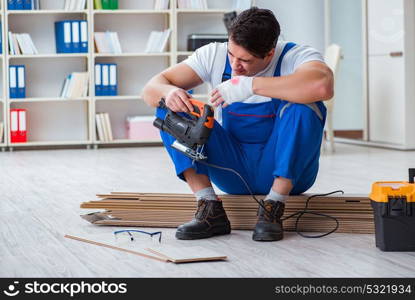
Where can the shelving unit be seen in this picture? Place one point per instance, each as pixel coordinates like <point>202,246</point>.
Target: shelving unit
<point>51,120</point>
<point>56,121</point>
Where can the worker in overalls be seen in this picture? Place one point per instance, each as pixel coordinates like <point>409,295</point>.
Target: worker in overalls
<point>269,121</point>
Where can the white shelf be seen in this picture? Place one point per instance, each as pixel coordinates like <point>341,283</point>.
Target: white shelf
<point>132,54</point>
<point>117,98</point>
<point>49,143</point>
<point>49,55</point>
<point>127,141</point>
<point>130,11</point>
<point>204,11</point>
<point>185,53</point>
<point>45,11</point>
<point>45,99</point>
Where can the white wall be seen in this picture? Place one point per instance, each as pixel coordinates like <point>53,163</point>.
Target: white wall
<point>346,31</point>
<point>301,21</point>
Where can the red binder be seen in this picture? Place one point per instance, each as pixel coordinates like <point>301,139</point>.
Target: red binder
<point>18,129</point>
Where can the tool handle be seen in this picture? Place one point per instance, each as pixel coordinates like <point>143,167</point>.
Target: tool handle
<point>203,111</point>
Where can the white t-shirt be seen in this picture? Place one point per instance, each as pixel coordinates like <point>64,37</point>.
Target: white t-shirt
<point>209,63</point>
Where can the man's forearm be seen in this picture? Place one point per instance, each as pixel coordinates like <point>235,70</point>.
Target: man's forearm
<point>157,88</point>
<point>298,88</point>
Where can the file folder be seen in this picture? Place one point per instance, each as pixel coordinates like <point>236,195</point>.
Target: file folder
<point>21,82</point>
<point>12,82</point>
<point>18,128</point>
<point>84,36</point>
<point>105,80</point>
<point>113,80</point>
<point>63,37</point>
<point>11,4</point>
<point>19,4</point>
<point>113,4</point>
<point>98,80</point>
<point>76,45</point>
<point>106,4</point>
<point>27,4</point>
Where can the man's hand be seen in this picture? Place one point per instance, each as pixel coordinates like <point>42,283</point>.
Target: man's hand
<point>237,89</point>
<point>178,101</point>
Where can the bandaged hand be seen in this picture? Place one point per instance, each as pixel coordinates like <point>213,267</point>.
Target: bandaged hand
<point>236,89</point>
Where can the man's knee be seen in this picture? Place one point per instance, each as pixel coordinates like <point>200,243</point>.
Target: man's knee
<point>300,111</point>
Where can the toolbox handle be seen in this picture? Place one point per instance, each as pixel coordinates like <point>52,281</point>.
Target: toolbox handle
<point>411,175</point>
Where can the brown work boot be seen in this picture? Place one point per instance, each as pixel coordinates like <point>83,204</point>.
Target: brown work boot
<point>269,224</point>
<point>210,219</point>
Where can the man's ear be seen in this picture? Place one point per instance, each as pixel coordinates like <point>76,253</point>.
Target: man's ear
<point>271,53</point>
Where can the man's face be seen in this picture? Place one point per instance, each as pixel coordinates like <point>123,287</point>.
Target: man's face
<point>244,63</point>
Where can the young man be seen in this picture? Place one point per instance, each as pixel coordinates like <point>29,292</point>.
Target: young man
<point>269,121</point>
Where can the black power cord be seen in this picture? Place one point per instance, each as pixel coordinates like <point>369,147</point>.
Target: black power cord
<point>299,214</point>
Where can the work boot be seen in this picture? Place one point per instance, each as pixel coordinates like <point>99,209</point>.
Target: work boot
<point>269,224</point>
<point>210,219</point>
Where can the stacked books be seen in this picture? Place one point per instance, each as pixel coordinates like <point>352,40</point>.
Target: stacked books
<point>22,4</point>
<point>17,81</point>
<point>106,4</point>
<point>161,4</point>
<point>104,131</point>
<point>71,36</point>
<point>107,42</point>
<point>21,43</point>
<point>106,80</point>
<point>75,86</point>
<point>72,5</point>
<point>1,132</point>
<point>157,41</point>
<point>192,4</point>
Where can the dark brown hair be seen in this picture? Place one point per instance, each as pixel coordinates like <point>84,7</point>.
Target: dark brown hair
<point>255,29</point>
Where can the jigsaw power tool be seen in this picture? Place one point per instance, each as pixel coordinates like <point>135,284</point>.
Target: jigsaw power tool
<point>191,133</point>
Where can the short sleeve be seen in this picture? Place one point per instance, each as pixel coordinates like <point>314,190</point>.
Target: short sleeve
<point>201,61</point>
<point>300,55</point>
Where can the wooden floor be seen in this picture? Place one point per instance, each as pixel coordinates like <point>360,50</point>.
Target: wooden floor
<point>41,192</point>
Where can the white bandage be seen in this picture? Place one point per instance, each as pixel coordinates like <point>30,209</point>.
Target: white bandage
<point>237,89</point>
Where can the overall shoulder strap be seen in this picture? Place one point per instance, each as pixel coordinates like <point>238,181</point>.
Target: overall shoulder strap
<point>227,72</point>
<point>287,48</point>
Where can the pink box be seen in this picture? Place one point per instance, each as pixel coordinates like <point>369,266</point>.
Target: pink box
<point>142,129</point>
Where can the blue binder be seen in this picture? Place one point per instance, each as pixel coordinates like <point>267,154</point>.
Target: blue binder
<point>105,79</point>
<point>113,86</point>
<point>12,82</point>
<point>11,4</point>
<point>76,36</point>
<point>84,36</point>
<point>27,4</point>
<point>19,5</point>
<point>98,80</point>
<point>63,37</point>
<point>21,81</point>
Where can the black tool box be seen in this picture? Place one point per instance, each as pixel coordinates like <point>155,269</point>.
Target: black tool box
<point>393,204</point>
<point>195,41</point>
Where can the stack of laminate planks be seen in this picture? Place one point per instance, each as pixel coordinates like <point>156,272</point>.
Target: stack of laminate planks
<point>353,212</point>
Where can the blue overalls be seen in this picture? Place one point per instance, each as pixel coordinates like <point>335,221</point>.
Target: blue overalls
<point>260,141</point>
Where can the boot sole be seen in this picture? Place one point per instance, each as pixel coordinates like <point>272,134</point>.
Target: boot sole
<point>201,235</point>
<point>267,237</point>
